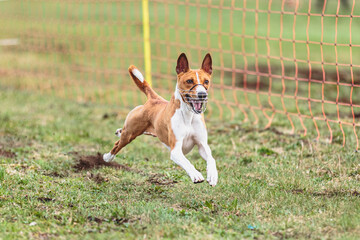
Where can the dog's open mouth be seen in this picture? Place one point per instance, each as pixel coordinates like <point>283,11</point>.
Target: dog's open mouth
<point>197,105</point>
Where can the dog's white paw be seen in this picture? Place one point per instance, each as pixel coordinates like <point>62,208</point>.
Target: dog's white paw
<point>108,157</point>
<point>212,176</point>
<point>196,176</point>
<point>118,132</point>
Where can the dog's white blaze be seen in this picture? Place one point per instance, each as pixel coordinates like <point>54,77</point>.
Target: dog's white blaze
<point>197,77</point>
<point>199,88</point>
<point>138,74</point>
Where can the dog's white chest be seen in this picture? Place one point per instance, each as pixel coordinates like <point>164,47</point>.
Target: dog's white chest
<point>188,144</point>
<point>185,128</point>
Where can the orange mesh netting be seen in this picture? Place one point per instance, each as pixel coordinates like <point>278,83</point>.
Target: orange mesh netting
<point>290,64</point>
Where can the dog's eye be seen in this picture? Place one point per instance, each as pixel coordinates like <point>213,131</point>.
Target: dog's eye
<point>206,82</point>
<point>189,81</point>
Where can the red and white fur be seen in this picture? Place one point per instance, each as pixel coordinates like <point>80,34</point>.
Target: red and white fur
<point>179,128</point>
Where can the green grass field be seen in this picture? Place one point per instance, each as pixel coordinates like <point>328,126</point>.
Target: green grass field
<point>271,185</point>
<point>81,50</point>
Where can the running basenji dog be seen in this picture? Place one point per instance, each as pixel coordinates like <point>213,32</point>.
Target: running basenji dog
<point>178,123</point>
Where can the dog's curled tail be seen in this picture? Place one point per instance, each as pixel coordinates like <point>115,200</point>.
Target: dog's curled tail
<point>141,82</point>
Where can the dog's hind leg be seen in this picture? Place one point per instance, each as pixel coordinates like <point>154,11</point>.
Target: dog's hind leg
<point>135,125</point>
<point>125,138</point>
<point>127,135</point>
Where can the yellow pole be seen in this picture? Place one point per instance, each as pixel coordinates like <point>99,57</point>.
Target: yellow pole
<point>146,33</point>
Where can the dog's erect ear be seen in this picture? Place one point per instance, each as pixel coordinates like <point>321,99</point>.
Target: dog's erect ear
<point>207,64</point>
<point>182,64</point>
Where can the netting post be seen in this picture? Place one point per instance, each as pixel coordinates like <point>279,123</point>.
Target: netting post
<point>146,39</point>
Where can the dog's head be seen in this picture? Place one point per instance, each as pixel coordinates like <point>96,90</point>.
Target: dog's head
<point>193,85</point>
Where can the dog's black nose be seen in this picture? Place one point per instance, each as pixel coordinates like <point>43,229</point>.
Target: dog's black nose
<point>202,95</point>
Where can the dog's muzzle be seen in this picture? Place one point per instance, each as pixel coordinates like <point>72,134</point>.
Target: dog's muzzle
<point>195,101</point>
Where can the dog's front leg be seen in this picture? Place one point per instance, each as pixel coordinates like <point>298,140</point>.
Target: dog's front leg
<point>205,153</point>
<point>179,158</point>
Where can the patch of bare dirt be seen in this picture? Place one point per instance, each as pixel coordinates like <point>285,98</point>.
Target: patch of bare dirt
<point>117,221</point>
<point>88,162</point>
<point>96,161</point>
<point>328,194</point>
<point>44,236</point>
<point>55,174</point>
<point>12,141</point>
<point>45,199</point>
<point>7,154</point>
<point>95,219</point>
<point>96,177</point>
<point>158,179</point>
